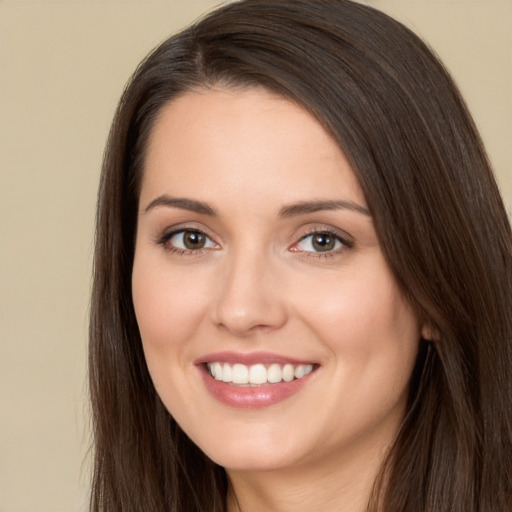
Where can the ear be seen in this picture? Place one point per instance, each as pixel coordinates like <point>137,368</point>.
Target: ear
<point>428,332</point>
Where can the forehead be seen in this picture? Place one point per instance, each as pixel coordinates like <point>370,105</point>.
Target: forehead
<point>233,142</point>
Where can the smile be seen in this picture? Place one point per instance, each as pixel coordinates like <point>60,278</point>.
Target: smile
<point>256,380</point>
<point>257,374</point>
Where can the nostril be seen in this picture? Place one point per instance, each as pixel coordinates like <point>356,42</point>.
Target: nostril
<point>247,300</point>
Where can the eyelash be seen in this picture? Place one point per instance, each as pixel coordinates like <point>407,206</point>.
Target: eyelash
<point>346,244</point>
<point>166,237</point>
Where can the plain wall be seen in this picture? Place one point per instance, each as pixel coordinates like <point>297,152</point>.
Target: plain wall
<point>63,66</point>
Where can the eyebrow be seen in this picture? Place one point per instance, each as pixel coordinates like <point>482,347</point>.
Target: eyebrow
<point>182,203</point>
<point>306,207</point>
<point>293,210</point>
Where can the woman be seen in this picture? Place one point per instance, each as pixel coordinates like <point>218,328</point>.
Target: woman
<point>302,287</point>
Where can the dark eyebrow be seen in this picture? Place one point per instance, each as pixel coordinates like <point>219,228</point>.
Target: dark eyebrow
<point>184,204</point>
<point>316,206</point>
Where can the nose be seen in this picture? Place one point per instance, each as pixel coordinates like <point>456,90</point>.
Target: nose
<point>250,298</point>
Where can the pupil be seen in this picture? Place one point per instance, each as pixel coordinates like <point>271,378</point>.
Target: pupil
<point>323,242</point>
<point>193,240</point>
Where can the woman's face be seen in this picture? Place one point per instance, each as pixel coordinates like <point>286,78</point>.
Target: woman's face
<point>257,260</point>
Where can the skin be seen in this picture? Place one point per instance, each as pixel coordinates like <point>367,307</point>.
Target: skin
<point>260,285</point>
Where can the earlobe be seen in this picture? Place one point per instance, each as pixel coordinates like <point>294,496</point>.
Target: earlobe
<point>428,332</point>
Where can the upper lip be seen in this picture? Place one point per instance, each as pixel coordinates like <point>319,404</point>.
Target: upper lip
<point>249,358</point>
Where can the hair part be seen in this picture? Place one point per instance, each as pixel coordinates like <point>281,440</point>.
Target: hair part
<point>397,115</point>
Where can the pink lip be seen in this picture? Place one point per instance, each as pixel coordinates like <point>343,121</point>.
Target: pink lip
<point>250,397</point>
<point>249,358</point>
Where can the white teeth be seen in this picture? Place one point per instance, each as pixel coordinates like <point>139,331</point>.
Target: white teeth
<point>299,371</point>
<point>288,372</point>
<point>227,374</point>
<point>258,374</point>
<point>217,371</point>
<point>240,374</point>
<point>274,373</point>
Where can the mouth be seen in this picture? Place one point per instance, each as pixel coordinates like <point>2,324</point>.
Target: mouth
<point>257,374</point>
<point>253,381</point>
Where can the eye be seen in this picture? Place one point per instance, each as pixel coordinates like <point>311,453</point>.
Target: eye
<point>321,242</point>
<point>187,240</point>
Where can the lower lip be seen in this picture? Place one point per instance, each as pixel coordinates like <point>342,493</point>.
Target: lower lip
<point>251,397</point>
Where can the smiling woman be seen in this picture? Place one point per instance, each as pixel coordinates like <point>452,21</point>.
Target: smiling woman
<point>302,288</point>
<point>264,304</point>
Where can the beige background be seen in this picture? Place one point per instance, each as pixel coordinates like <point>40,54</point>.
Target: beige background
<point>62,68</point>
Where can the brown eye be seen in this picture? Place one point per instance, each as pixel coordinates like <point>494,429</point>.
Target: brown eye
<point>188,240</point>
<point>322,242</point>
<point>194,240</point>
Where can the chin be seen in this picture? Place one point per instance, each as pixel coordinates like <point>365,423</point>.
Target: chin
<point>251,451</point>
<point>252,460</point>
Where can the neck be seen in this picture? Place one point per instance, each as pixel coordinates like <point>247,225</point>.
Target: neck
<point>333,483</point>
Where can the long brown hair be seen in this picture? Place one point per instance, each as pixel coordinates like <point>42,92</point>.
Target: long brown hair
<point>400,120</point>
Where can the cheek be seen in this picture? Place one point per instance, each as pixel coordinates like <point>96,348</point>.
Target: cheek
<point>370,331</point>
<point>168,306</point>
<point>372,337</point>
<point>357,307</point>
